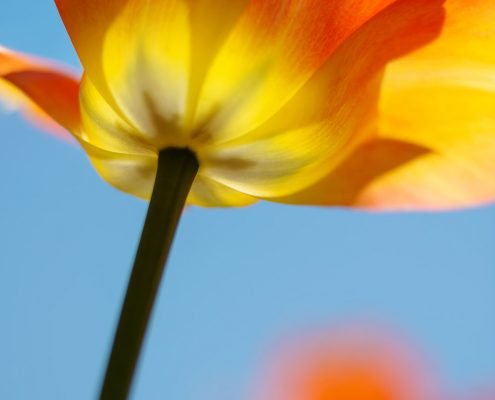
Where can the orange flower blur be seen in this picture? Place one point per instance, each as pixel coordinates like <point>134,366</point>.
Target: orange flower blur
<point>379,104</point>
<point>348,364</point>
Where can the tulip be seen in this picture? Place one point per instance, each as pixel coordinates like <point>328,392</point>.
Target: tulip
<point>380,104</point>
<point>270,96</point>
<point>351,363</point>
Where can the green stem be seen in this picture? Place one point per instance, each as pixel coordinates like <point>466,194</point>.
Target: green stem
<point>177,169</point>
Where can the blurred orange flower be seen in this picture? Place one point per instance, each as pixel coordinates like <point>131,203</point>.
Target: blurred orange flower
<point>384,104</point>
<point>348,364</point>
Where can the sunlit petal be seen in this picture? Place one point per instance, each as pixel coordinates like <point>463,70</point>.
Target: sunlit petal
<point>319,125</point>
<point>436,126</point>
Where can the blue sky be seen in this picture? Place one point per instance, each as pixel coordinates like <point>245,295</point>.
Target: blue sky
<point>238,281</point>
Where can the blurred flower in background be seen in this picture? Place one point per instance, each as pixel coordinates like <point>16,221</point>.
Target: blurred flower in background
<point>356,362</point>
<point>352,363</point>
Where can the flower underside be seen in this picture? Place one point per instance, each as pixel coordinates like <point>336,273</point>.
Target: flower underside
<point>305,102</point>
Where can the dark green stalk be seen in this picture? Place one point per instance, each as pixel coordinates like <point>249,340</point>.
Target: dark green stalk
<point>177,169</point>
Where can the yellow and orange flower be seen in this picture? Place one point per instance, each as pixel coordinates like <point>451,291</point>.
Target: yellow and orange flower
<point>384,104</point>
<point>352,363</point>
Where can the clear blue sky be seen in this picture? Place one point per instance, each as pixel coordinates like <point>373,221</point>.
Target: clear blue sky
<point>239,280</point>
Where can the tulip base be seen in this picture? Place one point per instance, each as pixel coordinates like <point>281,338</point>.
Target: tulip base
<point>176,171</point>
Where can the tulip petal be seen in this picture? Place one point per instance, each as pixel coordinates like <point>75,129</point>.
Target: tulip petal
<point>437,106</point>
<point>49,94</point>
<point>317,127</point>
<point>148,53</point>
<point>271,53</point>
<point>147,58</point>
<point>106,129</point>
<point>114,147</point>
<point>457,124</point>
<point>131,173</point>
<point>270,130</point>
<point>365,165</point>
<point>209,193</point>
<point>128,163</point>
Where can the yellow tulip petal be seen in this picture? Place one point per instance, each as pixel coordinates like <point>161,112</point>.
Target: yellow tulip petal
<point>162,67</point>
<point>114,147</point>
<point>209,193</point>
<point>450,166</point>
<point>135,53</point>
<point>443,98</point>
<point>317,127</point>
<point>461,59</point>
<point>128,163</point>
<point>364,166</point>
<point>436,127</point>
<point>131,173</point>
<point>47,93</point>
<point>147,57</point>
<point>457,124</point>
<point>272,51</point>
<point>50,95</point>
<point>105,128</point>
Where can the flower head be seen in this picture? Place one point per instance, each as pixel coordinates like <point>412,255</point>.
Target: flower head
<point>284,100</point>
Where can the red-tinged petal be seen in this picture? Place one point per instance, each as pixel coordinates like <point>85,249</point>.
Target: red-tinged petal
<point>154,64</point>
<point>270,54</point>
<point>47,93</point>
<point>439,103</point>
<point>319,126</point>
<point>149,53</point>
<point>442,98</point>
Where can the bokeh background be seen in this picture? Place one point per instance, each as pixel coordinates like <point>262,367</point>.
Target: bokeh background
<point>239,281</point>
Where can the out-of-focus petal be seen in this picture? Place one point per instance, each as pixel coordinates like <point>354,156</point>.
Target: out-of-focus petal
<point>47,93</point>
<point>359,364</point>
<point>436,126</point>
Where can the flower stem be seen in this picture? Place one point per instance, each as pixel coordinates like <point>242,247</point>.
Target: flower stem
<point>177,169</point>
